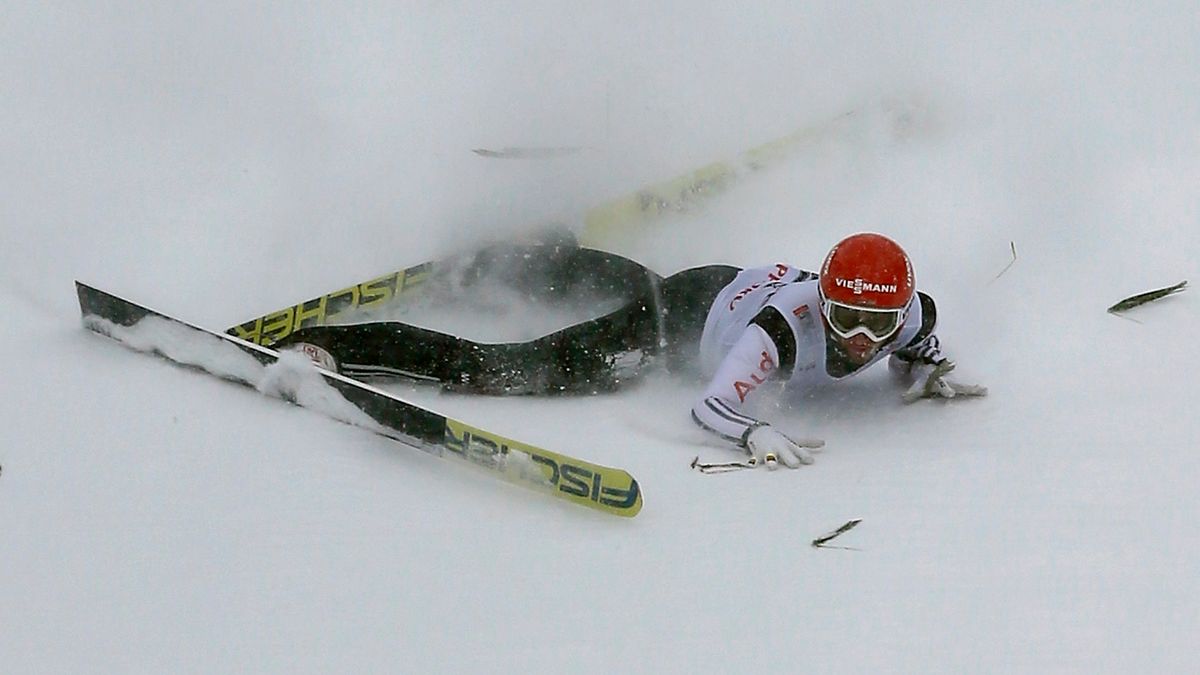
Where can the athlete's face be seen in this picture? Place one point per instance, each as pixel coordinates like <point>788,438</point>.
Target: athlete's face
<point>859,348</point>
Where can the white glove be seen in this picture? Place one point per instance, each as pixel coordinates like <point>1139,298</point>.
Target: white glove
<point>932,383</point>
<point>768,446</point>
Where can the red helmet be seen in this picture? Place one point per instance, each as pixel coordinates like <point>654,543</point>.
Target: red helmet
<point>866,287</point>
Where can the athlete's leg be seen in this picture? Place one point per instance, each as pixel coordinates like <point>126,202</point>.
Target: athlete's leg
<point>687,297</point>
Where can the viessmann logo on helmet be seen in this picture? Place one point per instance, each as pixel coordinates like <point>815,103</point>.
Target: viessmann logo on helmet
<point>858,286</point>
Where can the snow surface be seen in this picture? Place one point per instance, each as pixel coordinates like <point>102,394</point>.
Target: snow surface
<point>216,160</point>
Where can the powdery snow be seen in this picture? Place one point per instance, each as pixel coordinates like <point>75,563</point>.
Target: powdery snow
<point>216,161</point>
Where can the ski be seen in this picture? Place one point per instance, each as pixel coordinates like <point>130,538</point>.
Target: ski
<point>371,294</point>
<point>614,224</point>
<point>608,223</point>
<point>274,326</point>
<point>245,362</point>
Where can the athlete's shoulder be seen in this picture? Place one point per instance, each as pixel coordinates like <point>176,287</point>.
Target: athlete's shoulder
<point>775,272</point>
<point>921,322</point>
<point>802,290</point>
<point>796,274</point>
<point>789,319</point>
<point>781,271</point>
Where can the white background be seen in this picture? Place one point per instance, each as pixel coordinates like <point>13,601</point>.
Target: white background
<point>217,160</point>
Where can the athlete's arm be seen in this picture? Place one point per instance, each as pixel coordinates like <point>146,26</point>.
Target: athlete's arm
<point>748,365</point>
<point>924,348</point>
<point>923,367</point>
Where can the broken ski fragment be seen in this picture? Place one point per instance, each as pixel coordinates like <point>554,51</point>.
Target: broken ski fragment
<point>531,152</point>
<point>820,541</point>
<point>1149,296</point>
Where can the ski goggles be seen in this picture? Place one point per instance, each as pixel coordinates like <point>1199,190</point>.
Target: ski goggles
<point>877,324</point>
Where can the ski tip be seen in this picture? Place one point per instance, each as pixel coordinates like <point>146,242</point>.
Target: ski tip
<point>636,507</point>
<point>626,502</point>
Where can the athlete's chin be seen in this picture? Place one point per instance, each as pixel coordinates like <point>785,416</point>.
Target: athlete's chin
<point>859,359</point>
<point>860,351</point>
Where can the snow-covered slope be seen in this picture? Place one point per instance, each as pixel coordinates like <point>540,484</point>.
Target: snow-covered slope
<point>219,160</point>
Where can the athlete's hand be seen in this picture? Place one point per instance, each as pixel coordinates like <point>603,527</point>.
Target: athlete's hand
<point>931,382</point>
<point>770,447</point>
